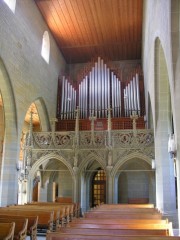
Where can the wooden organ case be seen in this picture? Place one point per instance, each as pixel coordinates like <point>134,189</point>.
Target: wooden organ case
<point>100,90</point>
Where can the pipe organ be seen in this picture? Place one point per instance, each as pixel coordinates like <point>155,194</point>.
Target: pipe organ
<point>132,97</point>
<point>68,100</point>
<point>99,90</point>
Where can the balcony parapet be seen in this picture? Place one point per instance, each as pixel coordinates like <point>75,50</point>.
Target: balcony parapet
<point>67,140</point>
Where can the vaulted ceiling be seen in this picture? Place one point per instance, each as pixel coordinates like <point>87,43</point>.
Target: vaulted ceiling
<point>85,29</point>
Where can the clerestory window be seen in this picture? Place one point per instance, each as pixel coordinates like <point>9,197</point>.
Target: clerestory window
<point>45,51</point>
<point>11,4</point>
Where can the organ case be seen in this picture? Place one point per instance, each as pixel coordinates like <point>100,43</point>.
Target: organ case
<point>97,91</point>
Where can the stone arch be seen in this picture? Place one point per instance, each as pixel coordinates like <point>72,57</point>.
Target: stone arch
<point>127,158</point>
<point>163,114</point>
<point>40,122</point>
<point>85,178</point>
<point>7,186</point>
<point>175,39</point>
<point>41,161</point>
<point>132,170</point>
<point>43,114</point>
<point>92,157</point>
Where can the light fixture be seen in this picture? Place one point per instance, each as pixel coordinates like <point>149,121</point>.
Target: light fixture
<point>172,146</point>
<point>153,164</point>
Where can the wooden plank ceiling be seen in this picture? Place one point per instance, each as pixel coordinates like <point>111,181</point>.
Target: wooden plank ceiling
<point>84,29</point>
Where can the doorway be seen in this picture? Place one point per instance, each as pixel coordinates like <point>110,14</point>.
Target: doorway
<point>99,188</point>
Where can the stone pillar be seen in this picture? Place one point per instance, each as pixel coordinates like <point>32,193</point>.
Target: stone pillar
<point>53,124</point>
<point>165,180</point>
<point>109,185</point>
<point>75,187</point>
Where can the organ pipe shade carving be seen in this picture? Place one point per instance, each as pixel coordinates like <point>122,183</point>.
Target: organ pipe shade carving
<point>101,89</point>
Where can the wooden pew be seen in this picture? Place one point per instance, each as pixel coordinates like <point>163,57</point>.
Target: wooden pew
<point>64,199</point>
<point>123,215</point>
<point>7,231</point>
<point>66,236</point>
<point>121,210</point>
<point>130,226</point>
<point>73,207</point>
<point>124,205</point>
<point>61,213</point>
<point>118,221</point>
<point>66,210</point>
<point>45,217</point>
<point>20,231</point>
<point>32,223</point>
<point>112,231</point>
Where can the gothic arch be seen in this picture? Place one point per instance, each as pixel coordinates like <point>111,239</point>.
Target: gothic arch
<point>119,164</point>
<point>49,156</point>
<point>42,113</point>
<point>90,158</point>
<point>10,135</point>
<point>40,162</point>
<point>163,119</point>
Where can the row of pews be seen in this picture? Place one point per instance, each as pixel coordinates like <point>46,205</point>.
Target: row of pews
<point>19,221</point>
<point>117,221</point>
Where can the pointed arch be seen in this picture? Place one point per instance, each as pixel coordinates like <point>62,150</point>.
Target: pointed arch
<point>44,160</point>
<point>125,159</point>
<point>92,157</point>
<point>10,138</point>
<point>163,128</point>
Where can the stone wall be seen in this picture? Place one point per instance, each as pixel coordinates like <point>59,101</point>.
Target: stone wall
<point>25,77</point>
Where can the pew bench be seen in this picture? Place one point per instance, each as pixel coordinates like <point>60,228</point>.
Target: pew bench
<point>128,229</point>
<point>123,215</point>
<point>61,213</point>
<point>126,210</point>
<point>73,207</point>
<point>167,226</point>
<point>20,231</point>
<point>124,205</point>
<point>7,231</point>
<point>45,218</point>
<point>66,236</point>
<point>32,223</point>
<point>118,221</point>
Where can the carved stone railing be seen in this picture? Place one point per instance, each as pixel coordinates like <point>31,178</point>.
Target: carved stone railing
<point>100,139</point>
<point>74,146</point>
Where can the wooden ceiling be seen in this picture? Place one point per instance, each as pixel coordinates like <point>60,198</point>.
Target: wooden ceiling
<point>85,29</point>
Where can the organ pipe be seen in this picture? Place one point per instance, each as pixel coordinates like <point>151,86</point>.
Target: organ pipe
<point>62,98</point>
<point>99,91</point>
<point>138,94</point>
<point>132,97</point>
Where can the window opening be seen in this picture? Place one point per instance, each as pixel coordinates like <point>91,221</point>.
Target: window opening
<point>45,51</point>
<point>11,4</point>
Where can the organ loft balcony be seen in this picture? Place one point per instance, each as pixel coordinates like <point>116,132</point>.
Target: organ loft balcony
<point>103,111</point>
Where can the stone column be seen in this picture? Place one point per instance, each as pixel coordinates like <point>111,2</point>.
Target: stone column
<point>165,180</point>
<point>109,185</point>
<point>75,187</point>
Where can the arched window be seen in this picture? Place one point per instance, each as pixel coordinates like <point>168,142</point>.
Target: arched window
<point>45,51</point>
<point>11,4</point>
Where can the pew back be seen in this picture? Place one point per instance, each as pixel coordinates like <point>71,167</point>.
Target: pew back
<point>7,231</point>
